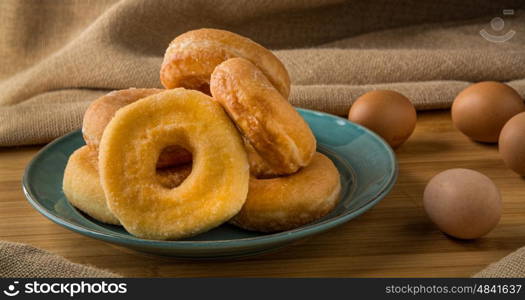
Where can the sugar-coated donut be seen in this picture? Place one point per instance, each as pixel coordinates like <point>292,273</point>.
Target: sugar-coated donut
<point>258,166</point>
<point>284,203</point>
<point>82,187</point>
<point>102,110</point>
<point>278,134</point>
<point>215,190</point>
<point>191,58</point>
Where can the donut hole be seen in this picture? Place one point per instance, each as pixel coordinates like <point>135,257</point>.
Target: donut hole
<point>173,155</point>
<point>173,166</point>
<point>172,177</point>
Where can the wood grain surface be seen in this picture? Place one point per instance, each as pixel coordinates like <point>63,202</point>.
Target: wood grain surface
<point>393,239</point>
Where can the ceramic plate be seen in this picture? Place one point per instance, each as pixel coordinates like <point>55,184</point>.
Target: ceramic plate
<point>366,163</point>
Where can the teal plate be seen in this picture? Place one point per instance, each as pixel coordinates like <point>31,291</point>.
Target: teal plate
<point>366,163</point>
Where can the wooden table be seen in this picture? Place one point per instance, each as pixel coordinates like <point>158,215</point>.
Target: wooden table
<point>394,238</point>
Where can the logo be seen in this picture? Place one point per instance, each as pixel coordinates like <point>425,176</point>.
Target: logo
<point>498,24</point>
<point>11,291</point>
<point>66,288</point>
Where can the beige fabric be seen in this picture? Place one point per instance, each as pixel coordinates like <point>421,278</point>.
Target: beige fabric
<point>512,265</point>
<point>19,260</point>
<point>56,56</point>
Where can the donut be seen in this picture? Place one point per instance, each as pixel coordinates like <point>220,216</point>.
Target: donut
<point>284,203</point>
<point>192,56</point>
<point>82,187</point>
<point>270,124</point>
<point>102,110</point>
<point>215,190</point>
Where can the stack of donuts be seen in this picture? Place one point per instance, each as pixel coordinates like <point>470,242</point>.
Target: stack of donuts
<point>221,143</point>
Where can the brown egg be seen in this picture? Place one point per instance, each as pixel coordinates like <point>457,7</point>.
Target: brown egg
<point>462,203</point>
<point>512,143</point>
<point>481,110</point>
<point>387,113</point>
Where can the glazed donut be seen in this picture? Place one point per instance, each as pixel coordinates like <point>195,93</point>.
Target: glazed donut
<point>258,167</point>
<point>215,190</point>
<point>102,110</point>
<point>191,58</point>
<point>275,130</point>
<point>82,187</point>
<point>284,203</point>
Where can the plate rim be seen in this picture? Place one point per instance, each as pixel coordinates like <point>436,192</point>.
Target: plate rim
<point>273,238</point>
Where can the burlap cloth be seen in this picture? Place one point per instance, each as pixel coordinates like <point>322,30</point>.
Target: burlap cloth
<point>512,265</point>
<point>57,56</point>
<point>20,260</point>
